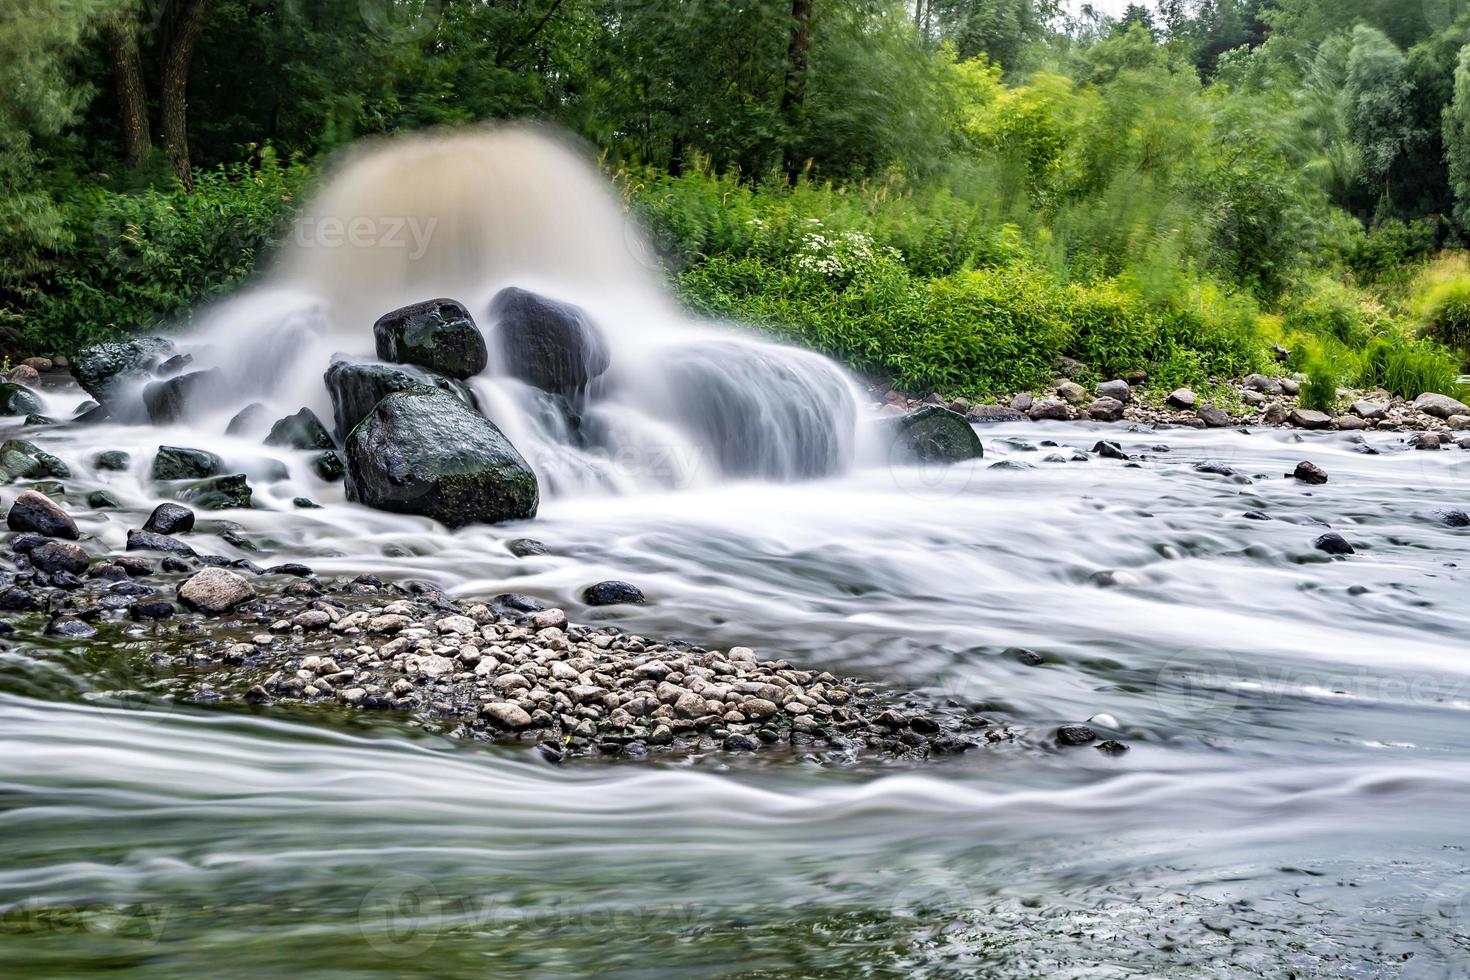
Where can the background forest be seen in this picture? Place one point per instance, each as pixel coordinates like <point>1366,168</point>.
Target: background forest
<point>948,193</point>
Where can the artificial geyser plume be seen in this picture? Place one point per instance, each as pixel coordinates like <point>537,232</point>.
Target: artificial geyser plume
<point>461,324</point>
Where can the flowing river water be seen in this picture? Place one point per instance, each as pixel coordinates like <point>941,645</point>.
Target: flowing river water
<point>1293,801</point>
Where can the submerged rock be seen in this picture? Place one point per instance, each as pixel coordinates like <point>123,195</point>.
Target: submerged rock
<point>554,346</point>
<point>112,459</point>
<point>181,463</point>
<point>1334,544</point>
<point>438,334</point>
<point>106,370</point>
<point>426,452</point>
<point>990,414</point>
<point>60,556</point>
<point>170,519</point>
<point>26,460</point>
<point>215,591</point>
<point>139,540</point>
<point>40,514</point>
<point>219,492</point>
<point>250,419</point>
<point>934,435</point>
<point>328,466</point>
<point>356,387</point>
<point>169,401</point>
<point>18,400</point>
<point>300,431</point>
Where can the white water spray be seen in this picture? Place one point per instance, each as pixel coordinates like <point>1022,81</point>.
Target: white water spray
<point>465,214</point>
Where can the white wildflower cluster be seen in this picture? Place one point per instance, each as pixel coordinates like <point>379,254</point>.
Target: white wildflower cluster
<point>842,257</point>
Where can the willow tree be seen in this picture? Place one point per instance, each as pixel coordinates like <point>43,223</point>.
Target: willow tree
<point>1457,138</point>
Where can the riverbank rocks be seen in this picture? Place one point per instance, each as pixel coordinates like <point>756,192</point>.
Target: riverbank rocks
<point>1214,418</point>
<point>1049,409</point>
<point>355,387</point>
<point>1440,406</point>
<point>105,371</point>
<point>1182,398</point>
<point>182,463</point>
<point>426,452</point>
<point>1117,388</point>
<point>1106,409</point>
<point>934,435</point>
<point>1071,392</point>
<point>438,334</point>
<point>170,401</point>
<point>37,512</point>
<point>991,414</point>
<point>1310,418</point>
<point>16,399</point>
<point>215,591</point>
<point>552,345</point>
<point>1373,411</point>
<point>24,374</point>
<point>170,519</point>
<point>613,593</point>
<point>1309,472</point>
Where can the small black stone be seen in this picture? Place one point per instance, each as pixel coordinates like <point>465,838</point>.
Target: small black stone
<point>289,568</point>
<point>1112,747</point>
<point>517,602</point>
<point>526,547</point>
<point>1028,657</point>
<point>151,609</point>
<point>613,593</point>
<point>1109,450</point>
<point>1334,544</point>
<point>170,518</point>
<point>1310,473</point>
<point>16,599</point>
<point>67,626</point>
<point>1214,468</point>
<point>1075,735</point>
<point>742,743</point>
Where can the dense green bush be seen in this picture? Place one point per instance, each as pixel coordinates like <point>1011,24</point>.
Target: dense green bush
<point>144,260</point>
<point>1446,313</point>
<point>1408,368</point>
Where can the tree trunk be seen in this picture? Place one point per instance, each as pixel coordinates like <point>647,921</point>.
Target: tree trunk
<point>186,23</point>
<point>121,31</point>
<point>798,55</point>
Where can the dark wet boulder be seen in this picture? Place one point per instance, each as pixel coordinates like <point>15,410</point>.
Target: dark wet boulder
<point>328,466</point>
<point>356,387</point>
<point>70,626</point>
<point>218,492</point>
<point>249,420</point>
<point>1109,450</point>
<point>934,435</point>
<point>60,556</point>
<point>300,431</point>
<point>170,519</point>
<point>171,400</point>
<point>438,334</point>
<point>1309,472</point>
<point>40,514</point>
<point>552,345</point>
<point>26,540</point>
<point>17,599</point>
<point>526,547</point>
<point>1214,418</point>
<point>18,400</point>
<point>1075,735</point>
<point>426,452</point>
<point>613,593</point>
<point>39,420</point>
<point>1334,544</point>
<point>181,463</point>
<point>106,370</point>
<point>112,459</point>
<point>150,541</point>
<point>25,460</point>
<point>102,500</point>
<point>151,609</point>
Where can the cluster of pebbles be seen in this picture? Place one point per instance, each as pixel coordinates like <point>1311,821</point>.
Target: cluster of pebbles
<point>232,630</point>
<point>511,670</point>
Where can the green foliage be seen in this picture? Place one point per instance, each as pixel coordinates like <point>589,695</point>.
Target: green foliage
<point>144,260</point>
<point>1408,368</point>
<point>1446,312</point>
<point>1320,389</point>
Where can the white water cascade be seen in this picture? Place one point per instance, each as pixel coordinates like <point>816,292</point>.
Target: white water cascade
<point>462,215</point>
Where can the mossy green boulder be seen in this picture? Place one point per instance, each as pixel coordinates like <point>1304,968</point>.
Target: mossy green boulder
<point>426,452</point>
<point>934,435</point>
